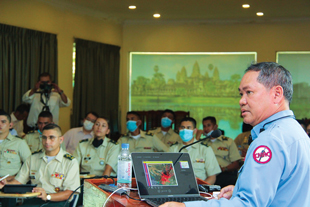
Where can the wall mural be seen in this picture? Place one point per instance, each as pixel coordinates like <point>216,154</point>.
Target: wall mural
<point>298,63</point>
<point>206,84</point>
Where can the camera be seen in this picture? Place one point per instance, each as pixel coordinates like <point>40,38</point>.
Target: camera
<point>46,87</point>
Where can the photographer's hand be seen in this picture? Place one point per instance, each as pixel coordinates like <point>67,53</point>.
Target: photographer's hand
<point>56,88</point>
<point>36,87</point>
<point>61,93</point>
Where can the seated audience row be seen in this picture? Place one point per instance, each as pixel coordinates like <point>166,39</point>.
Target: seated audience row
<point>214,159</point>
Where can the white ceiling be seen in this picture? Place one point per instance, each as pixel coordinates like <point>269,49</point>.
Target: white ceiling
<point>189,10</point>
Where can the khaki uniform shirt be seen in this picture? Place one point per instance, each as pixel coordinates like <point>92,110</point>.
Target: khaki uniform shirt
<point>203,159</point>
<point>225,150</point>
<point>60,174</point>
<point>147,142</point>
<point>94,160</point>
<point>168,139</point>
<point>13,152</point>
<point>34,141</point>
<point>242,140</point>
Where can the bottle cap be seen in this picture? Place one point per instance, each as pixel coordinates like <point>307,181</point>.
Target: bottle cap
<point>125,145</point>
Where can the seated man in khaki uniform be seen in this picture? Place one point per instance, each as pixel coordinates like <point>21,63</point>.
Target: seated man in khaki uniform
<point>55,171</point>
<point>226,153</point>
<point>242,140</point>
<point>138,140</point>
<point>204,162</point>
<point>13,150</point>
<point>98,155</point>
<point>165,133</point>
<point>33,138</point>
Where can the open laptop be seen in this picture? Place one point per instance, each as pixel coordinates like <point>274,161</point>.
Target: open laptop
<point>163,177</point>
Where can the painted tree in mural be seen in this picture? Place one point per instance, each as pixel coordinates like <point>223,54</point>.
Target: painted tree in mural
<point>216,74</point>
<point>142,83</point>
<point>158,80</point>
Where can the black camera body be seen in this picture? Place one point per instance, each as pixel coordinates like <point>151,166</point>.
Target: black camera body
<point>46,87</point>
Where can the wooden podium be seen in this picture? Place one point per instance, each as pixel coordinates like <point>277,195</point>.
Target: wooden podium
<point>95,197</point>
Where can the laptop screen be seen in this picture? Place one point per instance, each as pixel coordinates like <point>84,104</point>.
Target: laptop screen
<point>164,174</point>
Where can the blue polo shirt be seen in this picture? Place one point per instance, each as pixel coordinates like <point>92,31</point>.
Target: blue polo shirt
<point>276,171</point>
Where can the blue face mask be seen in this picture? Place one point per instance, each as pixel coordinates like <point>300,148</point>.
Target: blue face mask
<point>166,122</point>
<point>186,135</point>
<point>131,125</point>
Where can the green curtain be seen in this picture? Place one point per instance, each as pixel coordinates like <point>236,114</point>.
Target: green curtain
<point>96,82</point>
<point>24,54</point>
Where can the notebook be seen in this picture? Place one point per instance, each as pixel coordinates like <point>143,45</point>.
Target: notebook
<point>164,177</point>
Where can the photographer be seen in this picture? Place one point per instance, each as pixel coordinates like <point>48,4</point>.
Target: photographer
<point>45,96</point>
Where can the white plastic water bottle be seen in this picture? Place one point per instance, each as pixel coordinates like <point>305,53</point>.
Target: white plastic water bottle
<point>124,172</point>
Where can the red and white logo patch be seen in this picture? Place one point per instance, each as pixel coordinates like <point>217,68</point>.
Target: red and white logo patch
<point>262,154</point>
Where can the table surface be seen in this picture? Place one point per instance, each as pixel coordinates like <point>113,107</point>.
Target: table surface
<point>87,176</point>
<point>19,195</point>
<point>117,200</point>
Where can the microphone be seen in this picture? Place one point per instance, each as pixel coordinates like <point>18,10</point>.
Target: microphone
<point>215,134</point>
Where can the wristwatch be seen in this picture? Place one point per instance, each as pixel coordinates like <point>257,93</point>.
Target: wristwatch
<point>61,92</point>
<point>48,197</point>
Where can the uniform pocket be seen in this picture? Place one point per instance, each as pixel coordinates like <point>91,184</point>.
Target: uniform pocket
<point>11,161</point>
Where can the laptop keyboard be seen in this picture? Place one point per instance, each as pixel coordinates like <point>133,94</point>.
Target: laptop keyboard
<point>158,201</point>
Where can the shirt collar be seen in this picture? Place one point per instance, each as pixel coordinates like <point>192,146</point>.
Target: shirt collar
<point>104,143</point>
<point>170,131</point>
<point>58,157</point>
<point>10,136</point>
<point>256,130</point>
<point>142,133</point>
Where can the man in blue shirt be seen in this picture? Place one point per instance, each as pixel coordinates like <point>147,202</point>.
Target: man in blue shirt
<point>277,165</point>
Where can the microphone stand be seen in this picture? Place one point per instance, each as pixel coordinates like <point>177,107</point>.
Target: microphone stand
<point>193,143</point>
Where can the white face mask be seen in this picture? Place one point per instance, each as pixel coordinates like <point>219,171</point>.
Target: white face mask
<point>88,125</point>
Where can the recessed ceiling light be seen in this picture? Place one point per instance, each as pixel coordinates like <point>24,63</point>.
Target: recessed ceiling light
<point>260,14</point>
<point>156,15</point>
<point>132,7</point>
<point>246,6</point>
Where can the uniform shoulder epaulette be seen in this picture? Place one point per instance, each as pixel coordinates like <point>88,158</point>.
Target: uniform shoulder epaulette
<point>113,141</point>
<point>174,144</point>
<point>38,151</point>
<point>149,133</point>
<point>224,138</point>
<point>31,132</point>
<point>68,156</point>
<point>205,143</point>
<point>125,135</point>
<point>83,140</point>
<point>17,136</point>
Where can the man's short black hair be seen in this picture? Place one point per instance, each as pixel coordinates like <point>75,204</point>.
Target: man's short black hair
<point>211,118</point>
<point>46,114</point>
<point>23,108</point>
<point>93,113</point>
<point>189,119</point>
<point>134,113</point>
<point>52,126</point>
<point>45,74</point>
<point>246,127</point>
<point>169,111</point>
<point>3,113</point>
